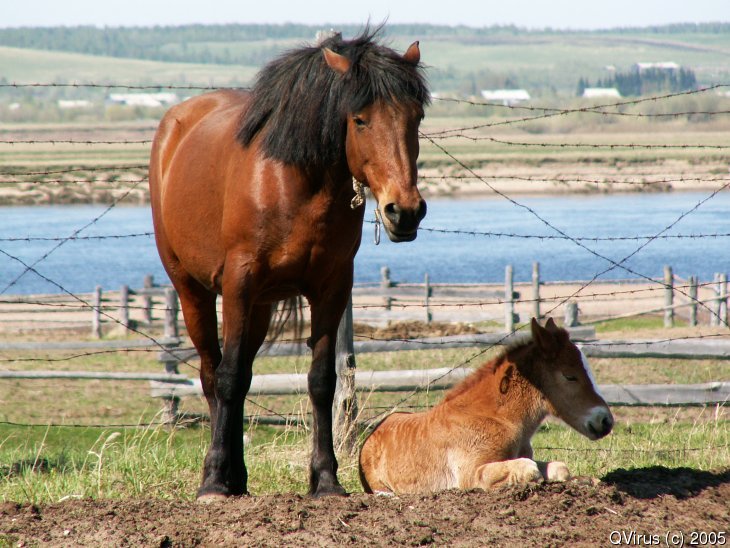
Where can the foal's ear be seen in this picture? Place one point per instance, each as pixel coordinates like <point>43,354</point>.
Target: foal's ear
<point>546,338</point>
<point>339,63</point>
<point>413,54</point>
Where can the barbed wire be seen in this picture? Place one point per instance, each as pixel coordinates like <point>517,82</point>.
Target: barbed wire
<point>610,146</point>
<point>74,142</point>
<point>563,235</point>
<point>575,179</point>
<point>19,85</point>
<point>75,169</point>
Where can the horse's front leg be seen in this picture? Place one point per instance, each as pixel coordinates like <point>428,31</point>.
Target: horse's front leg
<point>326,314</point>
<point>554,471</point>
<point>506,472</point>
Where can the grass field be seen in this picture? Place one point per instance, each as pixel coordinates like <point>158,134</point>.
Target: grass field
<point>110,457</point>
<point>543,62</point>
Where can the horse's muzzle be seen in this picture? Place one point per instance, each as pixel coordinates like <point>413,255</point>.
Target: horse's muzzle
<point>401,223</point>
<point>599,423</point>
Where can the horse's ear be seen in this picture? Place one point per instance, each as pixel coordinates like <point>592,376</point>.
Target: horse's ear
<point>339,63</point>
<point>413,54</point>
<point>545,338</point>
<point>550,325</point>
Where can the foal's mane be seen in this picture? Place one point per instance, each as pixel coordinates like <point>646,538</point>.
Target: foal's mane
<point>299,104</point>
<point>488,368</point>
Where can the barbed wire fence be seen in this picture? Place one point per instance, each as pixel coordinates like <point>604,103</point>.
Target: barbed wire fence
<point>437,139</point>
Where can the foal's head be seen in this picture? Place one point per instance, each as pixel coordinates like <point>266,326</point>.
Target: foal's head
<point>562,374</point>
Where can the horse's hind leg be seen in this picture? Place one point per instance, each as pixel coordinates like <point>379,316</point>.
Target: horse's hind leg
<point>199,312</point>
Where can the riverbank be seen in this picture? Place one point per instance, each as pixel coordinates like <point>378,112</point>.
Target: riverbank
<point>128,184</point>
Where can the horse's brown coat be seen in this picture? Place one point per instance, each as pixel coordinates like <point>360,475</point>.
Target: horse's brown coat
<point>251,200</point>
<point>479,435</point>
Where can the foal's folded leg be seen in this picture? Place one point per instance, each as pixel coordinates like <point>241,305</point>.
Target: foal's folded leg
<point>507,472</point>
<point>554,471</point>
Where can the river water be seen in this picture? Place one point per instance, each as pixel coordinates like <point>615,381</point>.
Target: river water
<point>573,238</point>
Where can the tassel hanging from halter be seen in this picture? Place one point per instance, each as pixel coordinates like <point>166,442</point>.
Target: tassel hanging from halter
<point>359,198</point>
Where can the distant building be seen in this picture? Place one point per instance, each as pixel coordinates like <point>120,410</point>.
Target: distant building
<point>667,65</point>
<point>143,99</point>
<point>78,103</point>
<point>590,93</point>
<point>507,97</point>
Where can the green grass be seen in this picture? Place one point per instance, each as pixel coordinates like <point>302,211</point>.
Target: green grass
<point>30,66</point>
<point>43,465</point>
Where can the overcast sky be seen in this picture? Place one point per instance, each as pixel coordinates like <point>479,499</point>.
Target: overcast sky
<point>576,14</point>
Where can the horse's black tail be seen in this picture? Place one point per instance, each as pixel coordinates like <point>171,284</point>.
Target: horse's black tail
<point>288,314</point>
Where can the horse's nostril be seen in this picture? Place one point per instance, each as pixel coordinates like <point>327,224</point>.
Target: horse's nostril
<point>392,212</point>
<point>607,423</point>
<point>421,210</point>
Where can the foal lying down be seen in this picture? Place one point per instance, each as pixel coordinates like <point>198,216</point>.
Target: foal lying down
<point>479,435</point>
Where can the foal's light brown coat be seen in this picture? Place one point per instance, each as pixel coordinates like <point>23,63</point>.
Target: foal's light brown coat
<point>479,435</point>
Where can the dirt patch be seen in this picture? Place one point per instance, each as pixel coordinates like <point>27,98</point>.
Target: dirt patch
<point>414,330</point>
<point>649,501</point>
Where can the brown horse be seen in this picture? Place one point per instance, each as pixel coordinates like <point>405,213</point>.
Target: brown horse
<point>479,435</point>
<point>253,198</point>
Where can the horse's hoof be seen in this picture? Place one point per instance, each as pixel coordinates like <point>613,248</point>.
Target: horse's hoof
<point>211,498</point>
<point>330,491</point>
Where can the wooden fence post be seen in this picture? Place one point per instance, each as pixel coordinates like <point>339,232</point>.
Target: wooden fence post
<point>124,306</point>
<point>171,309</point>
<point>345,405</point>
<point>571,314</point>
<point>96,313</point>
<point>668,297</point>
<point>693,301</point>
<point>536,290</point>
<point>427,297</point>
<point>715,306</point>
<point>148,283</point>
<point>385,284</point>
<point>509,300</point>
<point>722,280</point>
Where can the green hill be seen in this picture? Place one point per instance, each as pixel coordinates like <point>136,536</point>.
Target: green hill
<point>461,60</point>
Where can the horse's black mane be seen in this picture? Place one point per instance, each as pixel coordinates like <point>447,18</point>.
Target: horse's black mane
<point>299,104</point>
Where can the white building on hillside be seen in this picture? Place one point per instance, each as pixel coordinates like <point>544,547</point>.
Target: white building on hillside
<point>143,99</point>
<point>507,97</point>
<point>666,65</point>
<point>590,93</point>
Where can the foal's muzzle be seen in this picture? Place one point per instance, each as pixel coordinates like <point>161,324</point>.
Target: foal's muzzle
<point>401,223</point>
<point>599,423</point>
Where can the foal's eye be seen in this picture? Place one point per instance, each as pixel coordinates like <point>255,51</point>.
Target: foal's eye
<point>359,122</point>
<point>570,378</point>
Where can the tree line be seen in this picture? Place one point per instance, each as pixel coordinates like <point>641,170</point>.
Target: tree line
<point>209,43</point>
<point>637,82</point>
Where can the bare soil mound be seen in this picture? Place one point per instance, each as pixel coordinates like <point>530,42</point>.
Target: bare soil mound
<point>650,501</point>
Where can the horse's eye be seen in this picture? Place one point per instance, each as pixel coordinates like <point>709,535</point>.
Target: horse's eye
<point>359,122</point>
<point>570,378</point>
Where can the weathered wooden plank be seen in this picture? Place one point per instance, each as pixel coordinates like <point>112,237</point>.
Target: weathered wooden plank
<point>714,393</point>
<point>454,341</point>
<point>90,345</point>
<point>95,375</point>
<point>688,349</point>
<point>711,393</point>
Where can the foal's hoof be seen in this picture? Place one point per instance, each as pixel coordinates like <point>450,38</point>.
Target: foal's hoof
<point>211,498</point>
